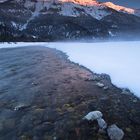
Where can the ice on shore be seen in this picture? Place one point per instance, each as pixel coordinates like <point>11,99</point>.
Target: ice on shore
<point>118,59</point>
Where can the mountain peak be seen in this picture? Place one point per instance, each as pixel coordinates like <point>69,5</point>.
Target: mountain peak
<point>82,2</point>
<point>93,3</point>
<point>66,19</point>
<point>119,8</point>
<point>71,4</point>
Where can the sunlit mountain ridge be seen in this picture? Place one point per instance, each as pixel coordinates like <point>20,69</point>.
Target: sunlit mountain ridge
<point>92,3</point>
<point>88,3</point>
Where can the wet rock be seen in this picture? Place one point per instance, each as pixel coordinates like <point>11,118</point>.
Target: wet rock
<point>96,78</point>
<point>38,113</point>
<point>94,115</point>
<point>126,91</point>
<point>101,85</point>
<point>102,124</point>
<point>135,100</point>
<point>115,133</point>
<point>35,84</point>
<point>128,129</point>
<point>25,137</point>
<point>68,107</point>
<point>20,107</point>
<point>89,79</point>
<point>106,88</point>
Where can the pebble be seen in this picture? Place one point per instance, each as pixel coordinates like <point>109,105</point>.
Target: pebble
<point>128,130</point>
<point>106,88</point>
<point>20,107</point>
<point>101,85</point>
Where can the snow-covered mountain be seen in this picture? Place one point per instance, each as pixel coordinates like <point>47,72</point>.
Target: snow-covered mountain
<point>75,7</point>
<point>65,19</point>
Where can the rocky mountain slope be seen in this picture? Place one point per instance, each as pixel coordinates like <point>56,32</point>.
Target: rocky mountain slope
<point>48,20</point>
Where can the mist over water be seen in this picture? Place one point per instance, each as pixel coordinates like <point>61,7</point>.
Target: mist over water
<point>118,59</point>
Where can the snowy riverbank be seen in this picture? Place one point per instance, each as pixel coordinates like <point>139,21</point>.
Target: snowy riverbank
<point>118,59</point>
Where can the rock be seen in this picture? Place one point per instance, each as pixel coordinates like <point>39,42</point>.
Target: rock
<point>128,129</point>
<point>94,115</point>
<point>101,85</point>
<point>66,105</point>
<point>25,137</point>
<point>96,78</point>
<point>115,133</point>
<point>35,84</point>
<point>126,91</point>
<point>89,79</point>
<point>105,76</point>
<point>106,88</point>
<point>102,124</point>
<point>135,100</point>
<point>70,109</point>
<point>20,107</point>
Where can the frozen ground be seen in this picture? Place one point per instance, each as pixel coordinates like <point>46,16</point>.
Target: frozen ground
<point>121,60</point>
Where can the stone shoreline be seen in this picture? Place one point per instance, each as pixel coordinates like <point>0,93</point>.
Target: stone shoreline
<point>44,96</point>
